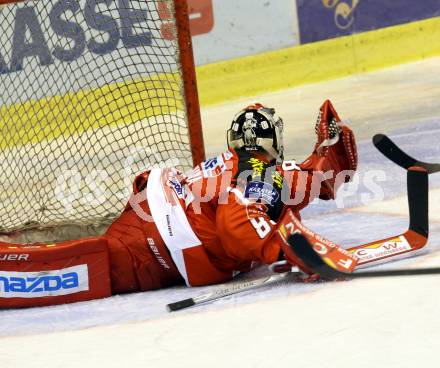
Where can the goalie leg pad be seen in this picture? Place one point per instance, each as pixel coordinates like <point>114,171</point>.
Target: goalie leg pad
<point>45,274</point>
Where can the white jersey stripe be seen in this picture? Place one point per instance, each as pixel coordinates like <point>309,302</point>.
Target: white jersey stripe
<point>170,220</point>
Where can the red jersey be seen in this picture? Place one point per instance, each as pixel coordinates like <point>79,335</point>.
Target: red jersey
<point>232,204</point>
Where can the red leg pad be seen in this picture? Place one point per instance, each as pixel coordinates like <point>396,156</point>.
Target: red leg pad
<point>46,274</point>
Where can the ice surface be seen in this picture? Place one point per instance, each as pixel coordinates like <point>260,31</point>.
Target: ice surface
<point>362,323</point>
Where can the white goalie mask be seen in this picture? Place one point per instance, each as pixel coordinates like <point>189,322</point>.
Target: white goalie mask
<point>257,128</point>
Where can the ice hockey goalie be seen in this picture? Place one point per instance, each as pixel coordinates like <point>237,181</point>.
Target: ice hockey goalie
<point>196,229</point>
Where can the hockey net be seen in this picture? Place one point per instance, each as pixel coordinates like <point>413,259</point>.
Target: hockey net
<point>93,92</point>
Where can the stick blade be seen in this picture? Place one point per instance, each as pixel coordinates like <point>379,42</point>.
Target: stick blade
<point>181,304</point>
<point>391,151</point>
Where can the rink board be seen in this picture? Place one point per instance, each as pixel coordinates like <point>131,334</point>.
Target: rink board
<point>318,61</point>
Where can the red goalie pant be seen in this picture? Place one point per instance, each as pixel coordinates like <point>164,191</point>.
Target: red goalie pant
<point>139,258</point>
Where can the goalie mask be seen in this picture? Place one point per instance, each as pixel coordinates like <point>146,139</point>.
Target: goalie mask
<point>257,128</point>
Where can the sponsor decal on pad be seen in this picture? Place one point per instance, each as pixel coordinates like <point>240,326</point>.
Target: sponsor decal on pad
<point>14,257</point>
<point>382,250</point>
<point>65,281</point>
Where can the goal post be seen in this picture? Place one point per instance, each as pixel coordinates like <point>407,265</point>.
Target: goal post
<point>93,92</point>
<point>189,81</point>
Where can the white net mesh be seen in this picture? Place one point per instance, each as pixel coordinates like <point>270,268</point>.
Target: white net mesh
<point>91,96</point>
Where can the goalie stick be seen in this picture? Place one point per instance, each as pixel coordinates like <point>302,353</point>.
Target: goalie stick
<point>415,238</point>
<point>305,252</point>
<point>397,247</point>
<point>235,288</point>
<point>380,251</point>
<point>391,151</point>
<point>417,186</point>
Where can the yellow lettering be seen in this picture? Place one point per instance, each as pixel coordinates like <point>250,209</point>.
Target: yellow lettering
<point>257,166</point>
<point>344,14</point>
<point>277,179</point>
<point>330,3</point>
<point>343,11</point>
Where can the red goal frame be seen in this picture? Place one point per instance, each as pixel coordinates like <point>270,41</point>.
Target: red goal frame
<point>189,81</point>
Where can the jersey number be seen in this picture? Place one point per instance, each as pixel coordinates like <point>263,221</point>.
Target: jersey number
<point>261,226</point>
